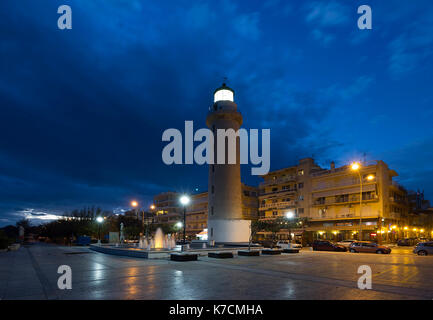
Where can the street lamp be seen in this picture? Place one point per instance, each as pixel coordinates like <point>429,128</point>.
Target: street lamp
<point>290,214</point>
<point>99,220</point>
<point>357,168</point>
<point>184,200</point>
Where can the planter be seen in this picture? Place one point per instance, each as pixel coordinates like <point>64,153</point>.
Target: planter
<point>271,251</point>
<point>246,253</point>
<point>291,250</point>
<point>220,255</point>
<point>183,257</point>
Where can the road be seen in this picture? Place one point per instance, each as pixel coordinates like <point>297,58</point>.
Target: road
<point>31,273</point>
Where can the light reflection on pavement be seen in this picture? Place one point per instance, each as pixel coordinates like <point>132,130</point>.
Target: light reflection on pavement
<point>31,273</point>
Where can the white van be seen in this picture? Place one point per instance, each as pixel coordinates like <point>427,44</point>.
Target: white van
<point>285,244</point>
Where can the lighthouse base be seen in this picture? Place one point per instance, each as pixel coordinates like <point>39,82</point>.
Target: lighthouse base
<point>229,231</point>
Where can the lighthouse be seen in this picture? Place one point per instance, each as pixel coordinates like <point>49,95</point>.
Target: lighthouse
<point>225,223</point>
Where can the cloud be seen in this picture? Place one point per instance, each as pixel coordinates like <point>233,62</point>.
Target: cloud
<point>412,161</point>
<point>323,16</point>
<point>327,14</point>
<point>324,38</point>
<point>413,47</point>
<point>351,90</point>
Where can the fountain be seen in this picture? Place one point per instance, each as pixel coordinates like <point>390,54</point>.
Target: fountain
<point>159,239</point>
<point>159,246</point>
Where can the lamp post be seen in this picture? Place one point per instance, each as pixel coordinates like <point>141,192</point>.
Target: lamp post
<point>357,168</point>
<point>184,200</point>
<point>134,204</point>
<point>152,207</point>
<point>290,215</point>
<point>99,220</point>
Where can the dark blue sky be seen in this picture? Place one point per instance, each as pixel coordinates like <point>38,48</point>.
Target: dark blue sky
<point>82,111</point>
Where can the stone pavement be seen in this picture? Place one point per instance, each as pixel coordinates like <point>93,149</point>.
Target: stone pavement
<point>31,273</point>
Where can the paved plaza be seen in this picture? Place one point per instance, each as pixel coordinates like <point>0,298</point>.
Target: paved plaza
<point>31,273</point>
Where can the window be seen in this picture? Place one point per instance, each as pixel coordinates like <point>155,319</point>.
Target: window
<point>300,172</point>
<point>300,210</point>
<point>275,213</point>
<point>213,189</point>
<point>300,185</point>
<point>211,232</point>
<point>274,189</point>
<point>246,193</point>
<point>301,198</point>
<point>213,168</point>
<point>211,210</point>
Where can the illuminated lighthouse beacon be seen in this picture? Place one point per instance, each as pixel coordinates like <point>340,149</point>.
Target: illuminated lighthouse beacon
<point>225,223</point>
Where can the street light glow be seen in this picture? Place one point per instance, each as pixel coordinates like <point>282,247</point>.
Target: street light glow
<point>370,177</point>
<point>134,203</point>
<point>184,200</point>
<point>99,219</point>
<point>290,214</point>
<point>355,166</point>
<point>179,224</point>
<point>152,207</point>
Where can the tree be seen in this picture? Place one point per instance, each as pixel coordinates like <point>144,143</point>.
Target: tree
<point>255,226</point>
<point>23,223</point>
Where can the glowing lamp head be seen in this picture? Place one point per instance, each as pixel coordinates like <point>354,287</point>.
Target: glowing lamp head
<point>134,204</point>
<point>184,200</point>
<point>355,166</point>
<point>152,207</point>
<point>422,230</point>
<point>290,214</point>
<point>370,177</point>
<point>223,93</point>
<point>405,228</point>
<point>99,219</point>
<point>179,224</point>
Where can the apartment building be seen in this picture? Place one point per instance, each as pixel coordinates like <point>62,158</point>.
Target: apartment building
<point>169,210</point>
<point>167,207</point>
<point>330,199</point>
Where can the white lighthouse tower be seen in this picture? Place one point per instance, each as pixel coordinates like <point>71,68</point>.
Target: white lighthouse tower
<point>225,223</point>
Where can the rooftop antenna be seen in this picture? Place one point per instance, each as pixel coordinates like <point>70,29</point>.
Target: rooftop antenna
<point>365,157</point>
<point>225,81</point>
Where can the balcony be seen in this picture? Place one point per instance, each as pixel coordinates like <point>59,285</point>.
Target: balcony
<point>278,205</point>
<point>261,193</point>
<point>350,199</point>
<point>278,181</point>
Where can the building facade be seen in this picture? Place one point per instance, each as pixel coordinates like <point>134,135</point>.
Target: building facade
<point>331,200</point>
<point>168,209</point>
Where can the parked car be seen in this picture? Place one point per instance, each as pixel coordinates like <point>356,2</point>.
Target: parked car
<point>284,244</point>
<point>424,248</point>
<point>369,247</point>
<point>325,245</point>
<point>406,242</point>
<point>346,243</point>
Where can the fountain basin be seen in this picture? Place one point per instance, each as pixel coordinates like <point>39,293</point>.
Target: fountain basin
<point>132,252</point>
<point>160,253</point>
